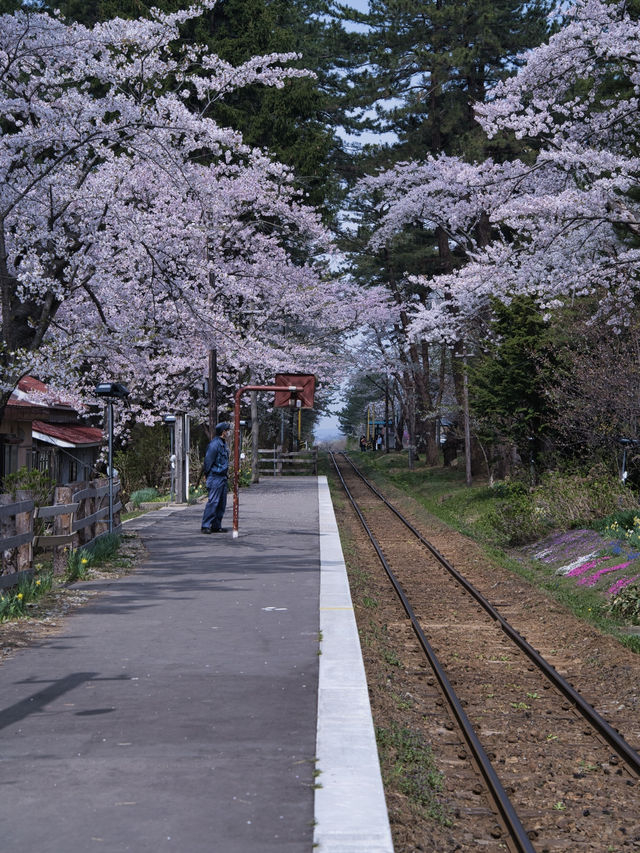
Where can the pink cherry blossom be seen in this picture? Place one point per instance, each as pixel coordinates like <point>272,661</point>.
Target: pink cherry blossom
<point>553,226</point>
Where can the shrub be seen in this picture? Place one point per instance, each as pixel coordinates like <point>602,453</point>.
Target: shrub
<point>570,500</point>
<point>561,501</point>
<point>626,604</point>
<point>508,489</point>
<point>38,483</point>
<point>624,519</point>
<point>105,547</point>
<point>143,495</point>
<point>517,521</point>
<point>80,560</point>
<point>145,461</point>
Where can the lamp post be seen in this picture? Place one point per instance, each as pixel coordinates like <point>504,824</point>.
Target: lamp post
<point>625,444</point>
<point>111,391</point>
<point>170,420</point>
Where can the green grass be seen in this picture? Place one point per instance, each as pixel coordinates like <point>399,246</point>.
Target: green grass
<point>441,491</point>
<point>409,767</point>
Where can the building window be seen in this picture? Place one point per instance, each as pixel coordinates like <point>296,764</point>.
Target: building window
<point>8,459</point>
<point>45,462</point>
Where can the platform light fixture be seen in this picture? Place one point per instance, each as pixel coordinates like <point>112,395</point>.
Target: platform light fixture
<point>170,420</point>
<point>111,391</point>
<point>626,444</point>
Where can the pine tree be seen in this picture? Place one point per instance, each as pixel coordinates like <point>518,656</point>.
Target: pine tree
<point>425,64</point>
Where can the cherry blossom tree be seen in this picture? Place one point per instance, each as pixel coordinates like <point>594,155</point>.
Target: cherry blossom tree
<point>563,222</point>
<point>136,233</point>
<point>559,224</point>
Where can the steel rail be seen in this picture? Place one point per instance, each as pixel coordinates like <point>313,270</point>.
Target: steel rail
<point>502,802</point>
<point>605,729</point>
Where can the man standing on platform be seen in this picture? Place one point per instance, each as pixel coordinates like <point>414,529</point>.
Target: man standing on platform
<point>216,471</point>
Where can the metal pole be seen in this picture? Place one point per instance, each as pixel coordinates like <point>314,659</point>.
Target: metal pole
<point>180,458</point>
<point>110,461</point>
<point>187,445</point>
<point>172,461</point>
<point>255,436</point>
<point>291,432</point>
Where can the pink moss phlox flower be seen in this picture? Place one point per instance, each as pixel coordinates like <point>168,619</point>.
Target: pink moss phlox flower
<point>621,583</point>
<point>584,567</point>
<point>595,577</point>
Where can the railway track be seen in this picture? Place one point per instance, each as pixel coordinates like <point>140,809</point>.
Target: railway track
<point>539,769</point>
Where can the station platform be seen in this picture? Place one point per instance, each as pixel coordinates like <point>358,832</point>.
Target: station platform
<point>214,700</point>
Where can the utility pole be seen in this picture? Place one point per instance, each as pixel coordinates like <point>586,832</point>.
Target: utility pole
<point>386,413</point>
<point>467,424</point>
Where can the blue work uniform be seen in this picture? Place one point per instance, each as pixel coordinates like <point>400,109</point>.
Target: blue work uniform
<point>216,470</point>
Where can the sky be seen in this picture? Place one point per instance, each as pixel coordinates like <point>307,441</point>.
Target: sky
<point>361,5</point>
<point>327,427</point>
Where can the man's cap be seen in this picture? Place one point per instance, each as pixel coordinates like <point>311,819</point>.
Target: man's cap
<point>222,427</point>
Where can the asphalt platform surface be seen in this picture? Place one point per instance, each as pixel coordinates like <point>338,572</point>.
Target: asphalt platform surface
<point>180,710</point>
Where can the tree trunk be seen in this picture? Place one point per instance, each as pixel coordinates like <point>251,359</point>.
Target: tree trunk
<point>433,451</point>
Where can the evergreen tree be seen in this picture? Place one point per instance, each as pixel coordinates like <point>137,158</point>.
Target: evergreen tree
<point>508,383</point>
<point>424,64</point>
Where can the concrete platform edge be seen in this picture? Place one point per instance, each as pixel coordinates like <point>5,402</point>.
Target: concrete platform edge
<point>350,810</point>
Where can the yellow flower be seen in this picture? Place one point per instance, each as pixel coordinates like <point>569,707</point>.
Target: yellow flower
<point>84,561</point>
<point>38,583</point>
<point>19,596</point>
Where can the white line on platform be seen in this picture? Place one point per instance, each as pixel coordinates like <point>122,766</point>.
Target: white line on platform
<point>350,809</point>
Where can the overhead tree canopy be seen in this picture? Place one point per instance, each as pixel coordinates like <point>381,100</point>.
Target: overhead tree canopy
<point>134,230</point>
<point>299,128</point>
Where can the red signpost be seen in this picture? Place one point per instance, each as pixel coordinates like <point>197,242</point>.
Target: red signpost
<point>288,388</point>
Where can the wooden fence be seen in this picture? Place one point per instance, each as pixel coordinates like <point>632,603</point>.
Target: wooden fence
<point>79,515</point>
<point>276,463</point>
